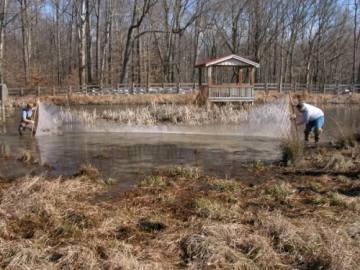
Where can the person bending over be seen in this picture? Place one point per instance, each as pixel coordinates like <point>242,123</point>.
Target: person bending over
<point>26,121</point>
<point>313,118</point>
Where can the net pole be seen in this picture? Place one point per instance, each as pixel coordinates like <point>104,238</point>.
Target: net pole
<point>293,121</point>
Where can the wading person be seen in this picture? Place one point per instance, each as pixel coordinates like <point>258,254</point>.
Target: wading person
<point>26,121</point>
<point>313,118</point>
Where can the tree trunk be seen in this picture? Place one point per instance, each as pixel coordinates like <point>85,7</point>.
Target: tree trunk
<point>26,40</point>
<point>88,43</point>
<point>127,44</point>
<point>106,39</point>
<point>70,53</point>
<point>355,42</point>
<point>2,38</point>
<point>136,21</point>
<point>110,52</point>
<point>97,53</point>
<point>82,43</point>
<point>58,42</point>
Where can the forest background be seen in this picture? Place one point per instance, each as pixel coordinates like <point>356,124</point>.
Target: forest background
<point>78,42</point>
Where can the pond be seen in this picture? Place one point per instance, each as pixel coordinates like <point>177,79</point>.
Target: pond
<point>126,155</point>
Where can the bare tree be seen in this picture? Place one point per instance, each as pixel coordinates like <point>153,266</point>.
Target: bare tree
<point>81,28</point>
<point>137,17</point>
<point>3,9</point>
<point>26,38</point>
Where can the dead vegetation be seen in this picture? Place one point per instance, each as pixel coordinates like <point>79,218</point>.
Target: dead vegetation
<point>75,99</point>
<point>155,114</point>
<point>292,150</point>
<point>183,99</point>
<point>181,218</point>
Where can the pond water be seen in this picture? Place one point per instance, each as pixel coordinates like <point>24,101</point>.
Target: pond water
<point>125,156</point>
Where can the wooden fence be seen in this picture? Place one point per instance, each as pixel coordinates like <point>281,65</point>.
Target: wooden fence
<point>172,88</point>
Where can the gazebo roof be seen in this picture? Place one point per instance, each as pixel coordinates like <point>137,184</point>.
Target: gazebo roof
<point>230,60</point>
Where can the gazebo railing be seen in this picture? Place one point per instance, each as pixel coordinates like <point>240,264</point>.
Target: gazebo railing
<point>232,92</point>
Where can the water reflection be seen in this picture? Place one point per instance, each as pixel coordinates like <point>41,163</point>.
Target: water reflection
<point>125,156</point>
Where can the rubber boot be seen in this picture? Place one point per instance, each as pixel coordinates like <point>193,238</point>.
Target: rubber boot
<point>317,134</point>
<point>306,133</point>
<point>20,130</point>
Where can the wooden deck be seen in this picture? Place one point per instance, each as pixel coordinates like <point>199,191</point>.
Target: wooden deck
<point>244,93</point>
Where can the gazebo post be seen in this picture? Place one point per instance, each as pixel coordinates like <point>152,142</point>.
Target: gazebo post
<point>200,76</point>
<point>240,76</point>
<point>209,76</point>
<point>252,76</point>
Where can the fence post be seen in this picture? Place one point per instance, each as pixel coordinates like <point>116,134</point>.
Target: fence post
<point>38,91</point>
<point>53,91</point>
<point>266,88</point>
<point>132,88</point>
<point>295,87</point>
<point>178,87</point>
<point>21,92</point>
<point>70,90</point>
<point>3,96</point>
<point>147,84</point>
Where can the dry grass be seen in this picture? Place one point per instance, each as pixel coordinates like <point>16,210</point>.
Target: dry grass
<point>88,171</point>
<point>56,225</point>
<point>155,114</point>
<point>26,156</point>
<point>108,99</point>
<point>292,150</point>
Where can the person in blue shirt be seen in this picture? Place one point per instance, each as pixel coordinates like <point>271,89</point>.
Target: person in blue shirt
<point>313,118</point>
<point>26,121</point>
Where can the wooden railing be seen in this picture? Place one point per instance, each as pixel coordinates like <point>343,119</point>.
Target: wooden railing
<point>174,88</point>
<point>232,93</point>
<point>158,88</point>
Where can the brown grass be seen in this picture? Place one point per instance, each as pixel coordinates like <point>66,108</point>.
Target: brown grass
<point>183,99</point>
<point>27,156</point>
<point>109,99</point>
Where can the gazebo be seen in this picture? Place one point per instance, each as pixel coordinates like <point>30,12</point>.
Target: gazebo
<point>237,90</point>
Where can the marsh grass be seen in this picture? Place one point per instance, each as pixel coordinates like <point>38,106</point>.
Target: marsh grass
<point>189,173</point>
<point>225,185</point>
<point>26,156</point>
<point>89,171</point>
<point>348,137</point>
<point>279,191</point>
<point>210,209</point>
<point>153,181</point>
<point>193,221</point>
<point>155,114</point>
<point>339,163</point>
<point>292,151</point>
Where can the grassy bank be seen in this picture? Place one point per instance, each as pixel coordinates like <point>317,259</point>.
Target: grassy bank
<point>108,99</point>
<point>304,216</point>
<point>181,99</point>
<point>159,114</point>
